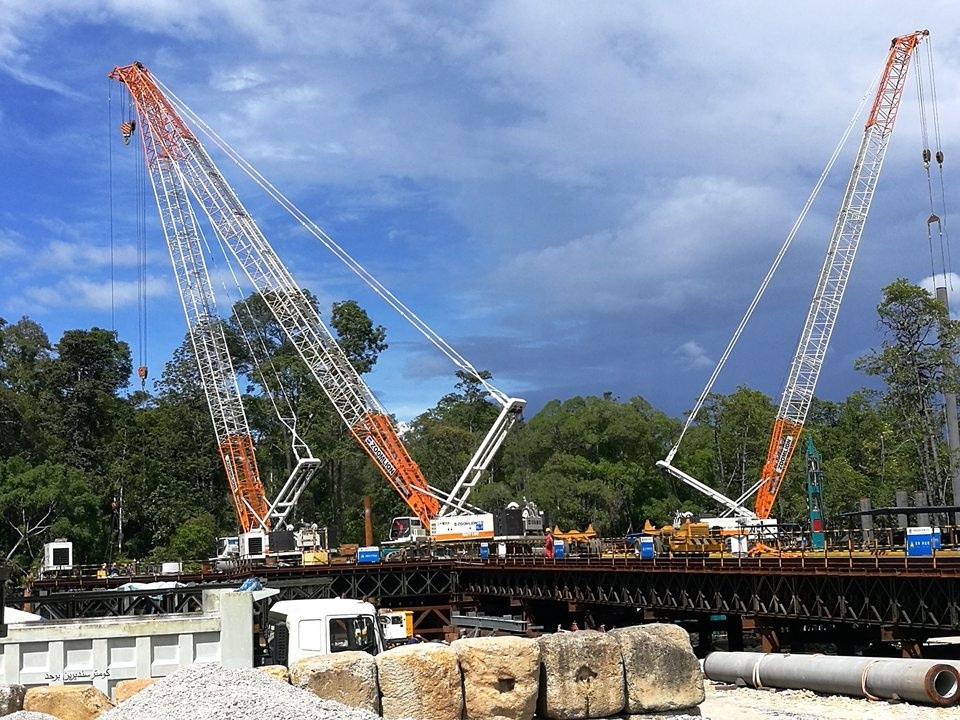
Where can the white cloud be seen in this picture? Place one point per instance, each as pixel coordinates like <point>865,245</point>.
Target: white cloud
<point>76,255</point>
<point>100,296</point>
<point>661,255</point>
<point>240,80</point>
<point>40,297</point>
<point>11,244</point>
<point>83,294</point>
<point>693,356</point>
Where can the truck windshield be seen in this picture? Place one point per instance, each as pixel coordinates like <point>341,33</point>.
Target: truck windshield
<point>354,633</point>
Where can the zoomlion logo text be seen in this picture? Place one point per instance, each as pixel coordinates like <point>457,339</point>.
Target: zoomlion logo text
<point>467,525</point>
<point>784,451</point>
<point>382,458</point>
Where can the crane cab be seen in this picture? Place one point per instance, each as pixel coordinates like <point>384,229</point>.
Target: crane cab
<point>407,529</point>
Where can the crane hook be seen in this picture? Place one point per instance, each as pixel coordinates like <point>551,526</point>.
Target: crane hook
<point>126,130</point>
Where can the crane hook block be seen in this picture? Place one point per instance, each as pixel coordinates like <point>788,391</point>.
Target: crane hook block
<point>142,374</point>
<point>126,130</point>
<point>926,157</point>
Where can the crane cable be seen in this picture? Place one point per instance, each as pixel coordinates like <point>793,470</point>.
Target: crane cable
<point>127,126</point>
<point>260,356</point>
<point>934,219</point>
<point>113,305</point>
<point>141,181</point>
<point>403,310</point>
<point>115,528</point>
<point>692,415</point>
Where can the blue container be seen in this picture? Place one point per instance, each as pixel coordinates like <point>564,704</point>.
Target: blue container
<point>919,541</point>
<point>559,549</point>
<point>646,548</point>
<point>484,551</point>
<point>368,554</point>
<point>935,539</point>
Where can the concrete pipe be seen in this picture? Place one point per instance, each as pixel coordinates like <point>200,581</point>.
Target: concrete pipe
<point>920,681</point>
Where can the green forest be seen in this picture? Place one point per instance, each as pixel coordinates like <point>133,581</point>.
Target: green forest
<point>82,441</point>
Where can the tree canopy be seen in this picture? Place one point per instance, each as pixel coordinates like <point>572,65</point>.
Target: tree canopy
<point>137,472</point>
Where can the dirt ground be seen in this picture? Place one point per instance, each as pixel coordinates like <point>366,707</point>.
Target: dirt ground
<point>725,702</point>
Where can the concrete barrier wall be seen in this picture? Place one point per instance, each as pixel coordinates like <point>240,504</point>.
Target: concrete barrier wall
<point>102,652</point>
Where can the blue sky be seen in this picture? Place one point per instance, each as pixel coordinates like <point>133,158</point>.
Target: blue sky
<point>579,197</point>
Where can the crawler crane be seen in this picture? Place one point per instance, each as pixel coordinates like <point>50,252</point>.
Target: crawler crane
<point>175,164</point>
<point>180,168</point>
<point>822,315</point>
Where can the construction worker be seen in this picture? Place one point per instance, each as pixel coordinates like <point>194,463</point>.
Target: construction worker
<point>548,545</point>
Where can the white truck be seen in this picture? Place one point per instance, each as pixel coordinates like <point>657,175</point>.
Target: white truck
<point>299,628</point>
<point>104,651</point>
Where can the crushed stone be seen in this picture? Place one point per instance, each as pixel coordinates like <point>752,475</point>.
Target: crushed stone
<point>208,691</point>
<point>27,715</point>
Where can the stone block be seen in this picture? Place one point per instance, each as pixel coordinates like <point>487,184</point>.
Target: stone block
<point>420,681</point>
<point>128,688</point>
<point>67,702</point>
<point>501,677</point>
<point>347,677</point>
<point>662,673</point>
<point>278,672</point>
<point>581,676</point>
<point>11,698</point>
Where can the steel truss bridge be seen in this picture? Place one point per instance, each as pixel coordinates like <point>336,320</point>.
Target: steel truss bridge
<point>851,599</point>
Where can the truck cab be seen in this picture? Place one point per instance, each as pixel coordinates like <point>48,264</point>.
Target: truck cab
<point>299,628</point>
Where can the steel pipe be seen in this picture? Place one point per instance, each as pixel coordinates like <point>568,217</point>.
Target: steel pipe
<point>919,681</point>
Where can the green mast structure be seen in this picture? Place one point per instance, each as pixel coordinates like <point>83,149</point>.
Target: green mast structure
<point>814,487</point>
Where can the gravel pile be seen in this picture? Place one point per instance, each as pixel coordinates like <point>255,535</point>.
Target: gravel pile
<point>208,691</point>
<point>28,715</point>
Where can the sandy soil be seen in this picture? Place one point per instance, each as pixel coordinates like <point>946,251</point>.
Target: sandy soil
<point>729,703</point>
